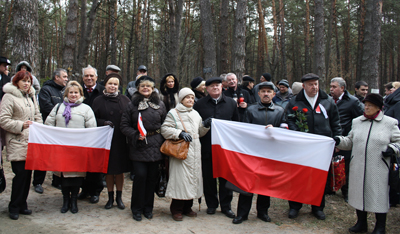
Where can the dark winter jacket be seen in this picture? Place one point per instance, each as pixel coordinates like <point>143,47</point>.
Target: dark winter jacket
<point>251,93</point>
<point>165,93</point>
<point>392,105</point>
<point>317,122</point>
<point>229,93</point>
<point>226,109</point>
<point>89,97</point>
<point>152,121</point>
<point>198,95</point>
<point>260,114</point>
<point>282,101</point>
<point>4,80</point>
<point>107,108</point>
<point>349,108</point>
<point>50,95</point>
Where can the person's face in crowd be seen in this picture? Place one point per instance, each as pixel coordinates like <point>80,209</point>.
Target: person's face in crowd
<point>225,83</point>
<point>24,68</point>
<point>170,83</point>
<point>62,79</point>
<point>6,71</point>
<point>24,84</point>
<point>311,87</point>
<point>145,89</point>
<point>266,94</point>
<point>201,88</point>
<point>141,72</point>
<point>336,90</point>
<point>251,85</point>
<point>73,94</point>
<point>3,67</point>
<point>370,108</point>
<point>89,78</point>
<point>362,91</point>
<point>232,81</point>
<point>214,90</point>
<point>112,85</point>
<point>388,91</point>
<point>188,101</point>
<point>283,89</point>
<point>262,79</point>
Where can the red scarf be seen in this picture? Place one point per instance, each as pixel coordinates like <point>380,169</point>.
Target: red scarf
<point>372,117</point>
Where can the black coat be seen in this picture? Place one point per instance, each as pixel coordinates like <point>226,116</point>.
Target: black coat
<point>50,95</point>
<point>226,109</point>
<point>229,93</point>
<point>260,114</point>
<point>152,121</point>
<point>89,97</point>
<point>349,108</point>
<point>392,105</point>
<point>108,108</point>
<point>4,80</point>
<point>317,123</point>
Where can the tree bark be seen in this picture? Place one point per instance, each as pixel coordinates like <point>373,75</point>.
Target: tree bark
<point>142,49</point>
<point>71,30</point>
<point>319,42</point>
<point>239,39</point>
<point>113,26</point>
<point>307,59</point>
<point>329,38</point>
<point>210,56</point>
<point>283,39</point>
<point>175,13</point>
<point>223,36</point>
<point>3,31</point>
<point>360,45</point>
<point>130,46</point>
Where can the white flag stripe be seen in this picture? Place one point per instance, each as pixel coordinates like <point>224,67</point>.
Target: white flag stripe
<point>99,137</point>
<point>273,143</point>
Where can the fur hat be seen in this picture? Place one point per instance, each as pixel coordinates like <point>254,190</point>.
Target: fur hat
<point>143,78</point>
<point>113,75</point>
<point>375,99</point>
<point>184,92</point>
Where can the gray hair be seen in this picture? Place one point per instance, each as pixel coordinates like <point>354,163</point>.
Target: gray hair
<point>223,76</point>
<point>340,81</point>
<point>58,71</point>
<point>88,67</point>
<point>231,74</point>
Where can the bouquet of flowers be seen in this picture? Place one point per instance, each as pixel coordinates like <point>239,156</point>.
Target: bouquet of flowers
<point>301,118</point>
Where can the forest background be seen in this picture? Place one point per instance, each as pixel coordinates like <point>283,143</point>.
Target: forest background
<point>353,39</point>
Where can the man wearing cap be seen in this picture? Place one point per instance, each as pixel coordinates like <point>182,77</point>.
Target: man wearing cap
<point>219,106</point>
<point>248,85</point>
<point>266,113</point>
<point>322,119</point>
<point>131,88</point>
<point>234,90</point>
<point>4,62</point>
<point>284,94</point>
<point>264,77</point>
<point>112,69</point>
<point>349,108</point>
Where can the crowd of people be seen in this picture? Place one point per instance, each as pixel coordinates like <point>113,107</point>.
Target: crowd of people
<point>364,126</point>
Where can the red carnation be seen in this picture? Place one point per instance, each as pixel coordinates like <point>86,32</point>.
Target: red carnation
<point>305,110</point>
<point>295,108</point>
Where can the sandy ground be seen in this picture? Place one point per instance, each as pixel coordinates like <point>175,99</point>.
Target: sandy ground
<point>93,218</point>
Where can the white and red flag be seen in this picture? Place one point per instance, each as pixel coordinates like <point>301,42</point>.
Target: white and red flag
<point>273,162</point>
<point>68,149</point>
<point>140,126</point>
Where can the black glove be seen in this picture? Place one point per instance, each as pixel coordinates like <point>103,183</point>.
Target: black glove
<point>388,153</point>
<point>337,140</point>
<point>185,136</point>
<point>207,122</point>
<point>109,123</point>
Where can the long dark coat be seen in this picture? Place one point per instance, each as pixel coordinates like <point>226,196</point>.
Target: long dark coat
<point>108,108</point>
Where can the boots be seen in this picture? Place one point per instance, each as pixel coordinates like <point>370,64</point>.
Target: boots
<point>110,202</point>
<point>66,199</point>
<point>361,225</point>
<point>380,223</point>
<point>118,199</point>
<point>74,199</point>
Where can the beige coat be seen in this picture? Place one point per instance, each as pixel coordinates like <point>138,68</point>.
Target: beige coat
<point>369,171</point>
<point>17,108</point>
<point>185,177</point>
<point>82,116</point>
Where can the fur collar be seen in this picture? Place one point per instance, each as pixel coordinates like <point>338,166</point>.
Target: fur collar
<point>163,87</point>
<point>137,98</point>
<point>13,90</point>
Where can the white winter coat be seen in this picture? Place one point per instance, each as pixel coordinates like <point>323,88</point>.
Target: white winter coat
<point>369,170</point>
<point>185,177</point>
<point>82,116</point>
<point>16,108</point>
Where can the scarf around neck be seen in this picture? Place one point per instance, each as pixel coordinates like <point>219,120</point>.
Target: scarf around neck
<point>145,103</point>
<point>67,111</point>
<point>372,117</point>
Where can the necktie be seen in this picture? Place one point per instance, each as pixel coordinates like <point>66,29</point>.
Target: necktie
<point>336,100</point>
<point>90,90</point>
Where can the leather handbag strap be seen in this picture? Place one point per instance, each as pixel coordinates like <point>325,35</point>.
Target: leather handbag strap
<point>180,119</point>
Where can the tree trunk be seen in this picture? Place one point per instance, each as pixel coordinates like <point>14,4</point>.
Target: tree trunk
<point>274,61</point>
<point>346,37</point>
<point>360,45</point>
<point>329,38</point>
<point>113,26</point>
<point>223,36</point>
<point>143,49</point>
<point>239,39</point>
<point>130,46</point>
<point>210,63</point>
<point>71,30</point>
<point>175,12</point>
<point>3,31</point>
<point>283,39</point>
<point>307,68</point>
<point>26,36</point>
<point>319,42</point>
<point>372,40</point>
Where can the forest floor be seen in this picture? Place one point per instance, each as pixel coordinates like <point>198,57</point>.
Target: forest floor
<point>93,218</point>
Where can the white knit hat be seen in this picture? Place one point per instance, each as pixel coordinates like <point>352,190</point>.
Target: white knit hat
<point>183,93</point>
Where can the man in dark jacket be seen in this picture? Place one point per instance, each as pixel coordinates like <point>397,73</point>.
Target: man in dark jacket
<point>50,95</point>
<point>93,183</point>
<point>284,94</point>
<point>4,62</point>
<point>264,112</point>
<point>361,90</point>
<point>322,119</point>
<point>349,107</point>
<point>248,85</point>
<point>218,106</point>
<point>234,89</point>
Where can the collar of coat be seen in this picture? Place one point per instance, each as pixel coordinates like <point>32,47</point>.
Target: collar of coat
<point>378,118</point>
<point>262,107</point>
<point>321,95</point>
<point>221,99</point>
<point>13,90</point>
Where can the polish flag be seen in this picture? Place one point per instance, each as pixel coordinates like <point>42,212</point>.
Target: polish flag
<point>140,126</point>
<point>68,149</point>
<point>273,162</point>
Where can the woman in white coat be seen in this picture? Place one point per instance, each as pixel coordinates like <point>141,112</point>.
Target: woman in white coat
<point>185,178</point>
<point>373,139</point>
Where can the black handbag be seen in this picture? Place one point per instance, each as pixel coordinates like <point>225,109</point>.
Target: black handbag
<point>394,173</point>
<point>2,178</point>
<point>234,188</point>
<point>162,181</point>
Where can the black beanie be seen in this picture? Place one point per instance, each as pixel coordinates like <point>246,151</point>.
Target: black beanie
<point>267,76</point>
<point>196,81</point>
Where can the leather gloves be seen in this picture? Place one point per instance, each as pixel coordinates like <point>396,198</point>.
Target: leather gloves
<point>207,122</point>
<point>108,123</point>
<point>185,136</point>
<point>388,153</point>
<point>337,140</point>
